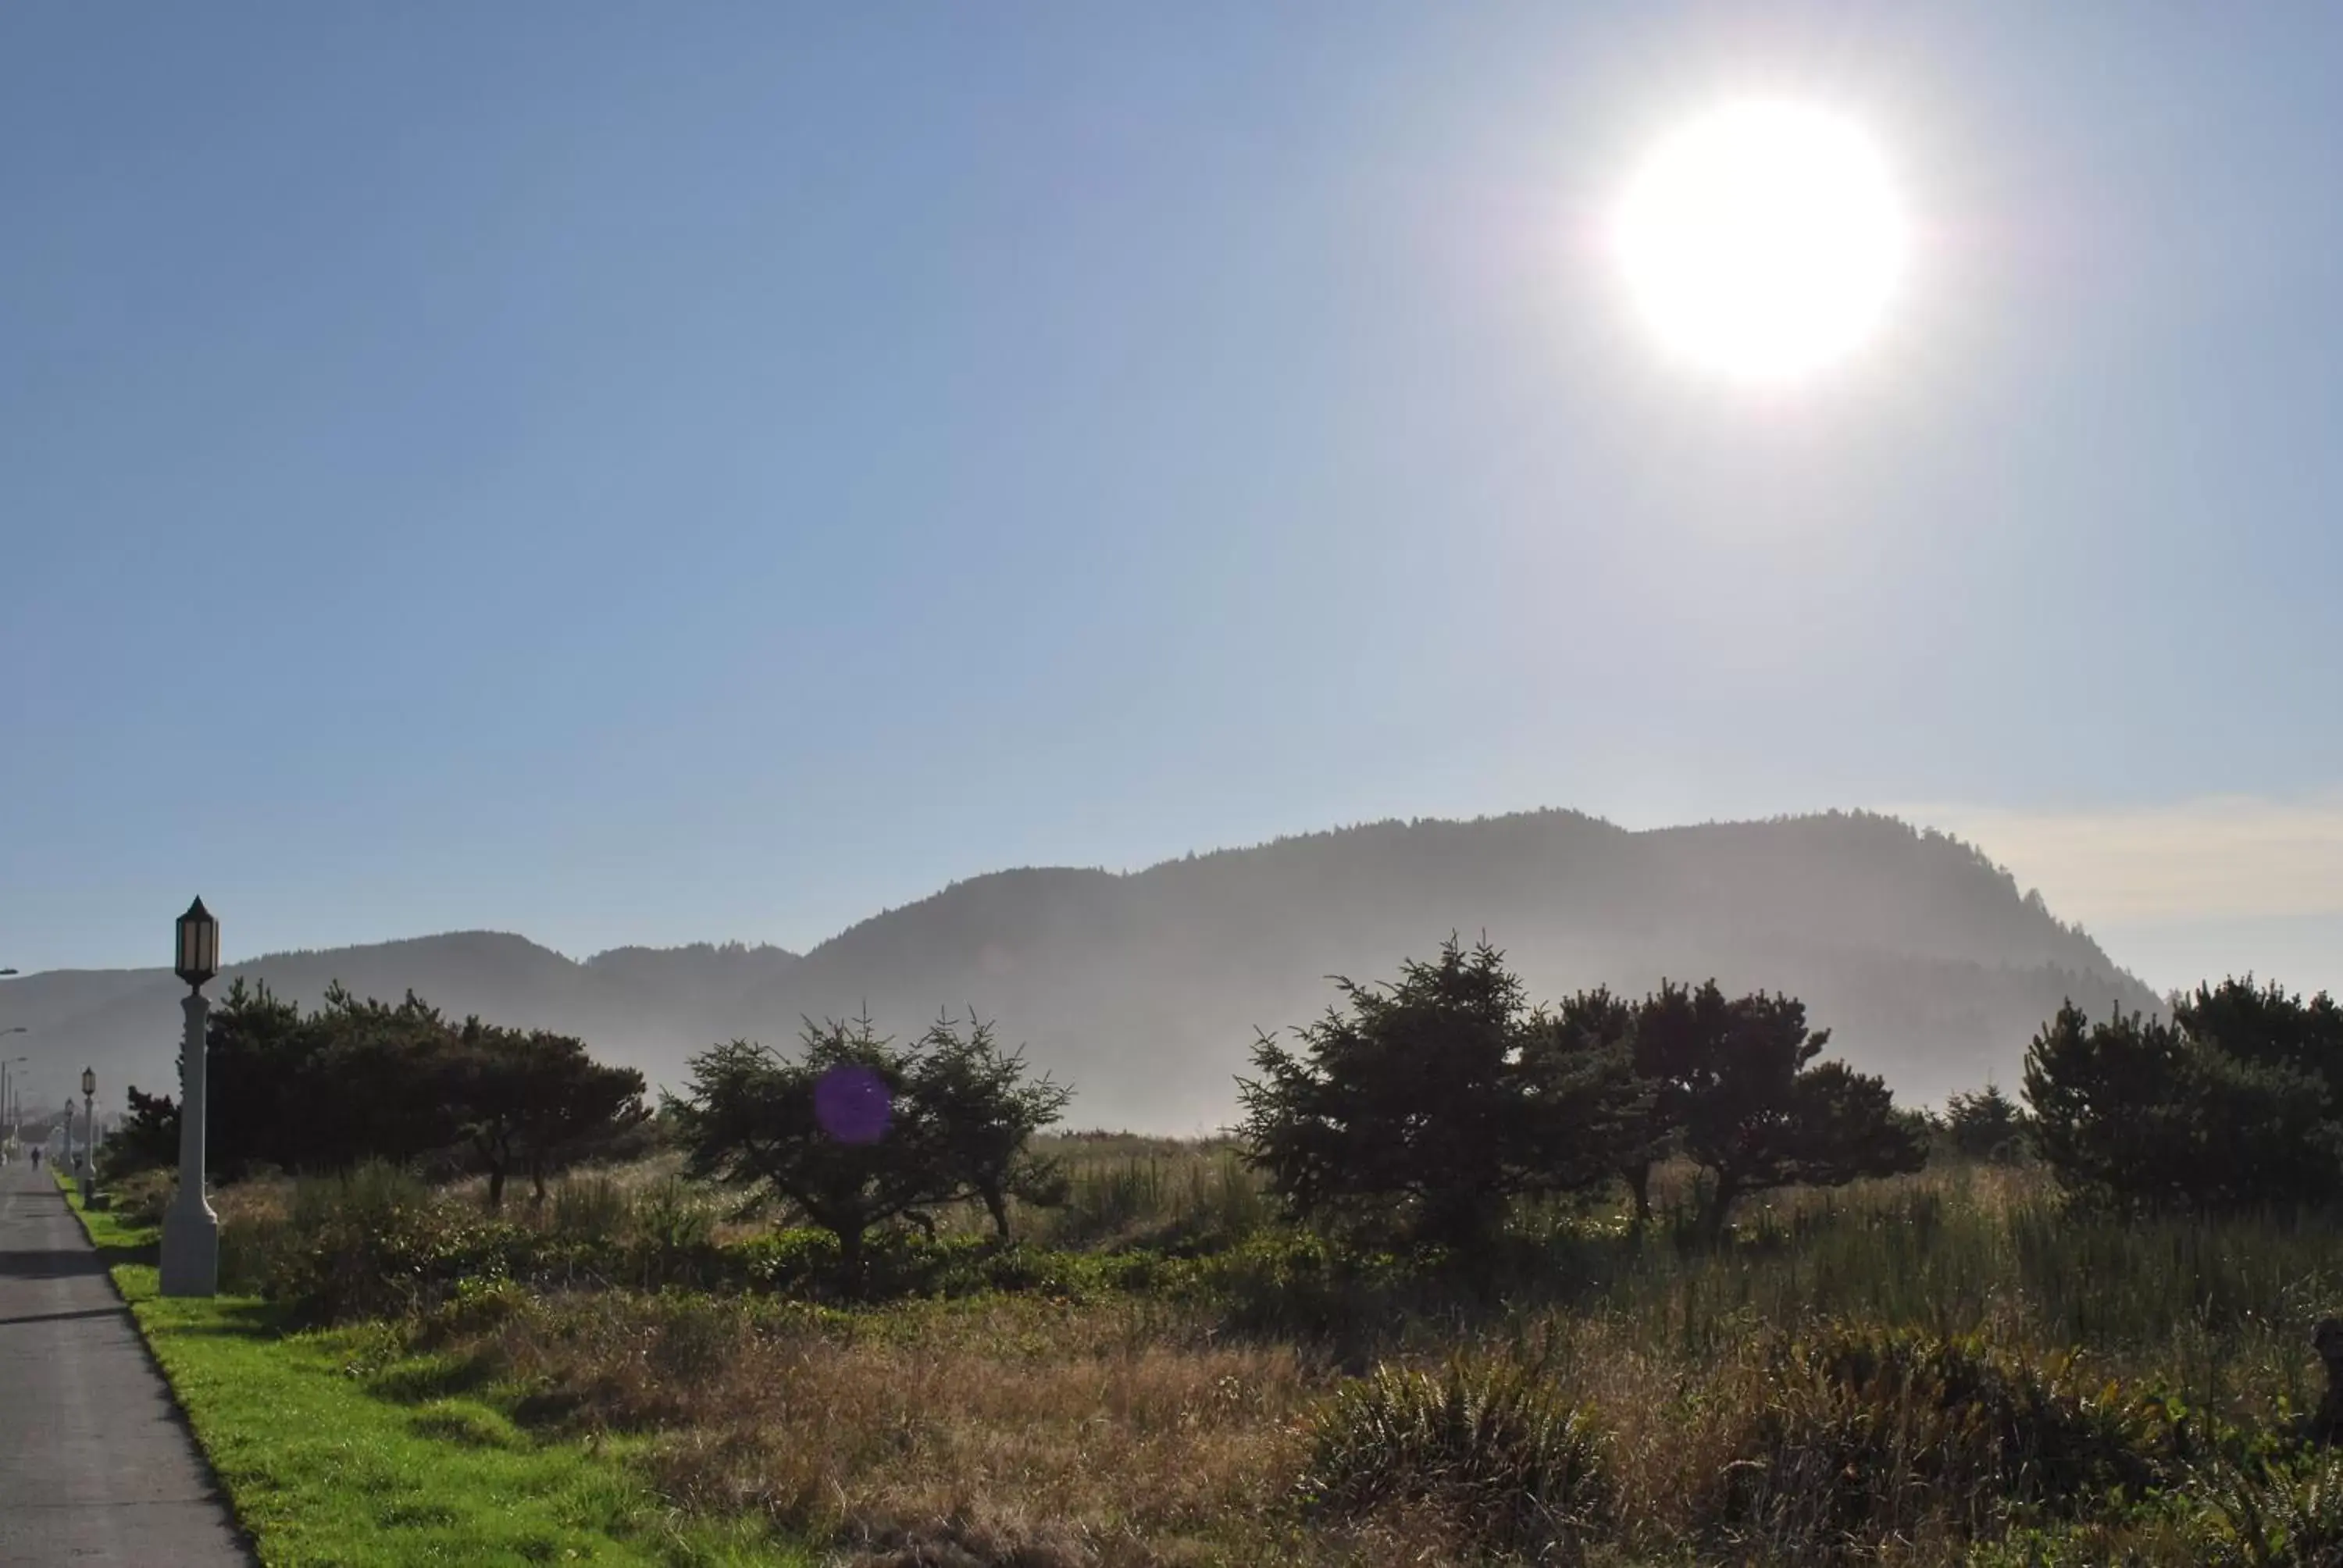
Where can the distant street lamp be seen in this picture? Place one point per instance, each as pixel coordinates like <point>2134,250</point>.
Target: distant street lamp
<point>190,1229</point>
<point>88,1134</point>
<point>7,1103</point>
<point>7,1095</point>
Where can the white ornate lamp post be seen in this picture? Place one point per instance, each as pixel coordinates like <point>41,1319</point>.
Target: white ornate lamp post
<point>8,1094</point>
<point>88,1134</point>
<point>190,1229</point>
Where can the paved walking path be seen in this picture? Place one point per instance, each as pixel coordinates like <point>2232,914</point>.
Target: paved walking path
<point>95,1464</point>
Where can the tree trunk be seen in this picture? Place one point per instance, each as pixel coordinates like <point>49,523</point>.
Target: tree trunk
<point>497,1185</point>
<point>998,1202</point>
<point>849,1257</point>
<point>1639,1182</point>
<point>1720,1207</point>
<point>536,1175</point>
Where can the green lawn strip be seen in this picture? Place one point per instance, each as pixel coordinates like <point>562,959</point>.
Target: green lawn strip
<point>323,1467</point>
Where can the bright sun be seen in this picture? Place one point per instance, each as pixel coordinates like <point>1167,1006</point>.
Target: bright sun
<point>1762,241</point>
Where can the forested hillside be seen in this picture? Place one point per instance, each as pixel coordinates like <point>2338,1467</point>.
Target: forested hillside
<point>1930,964</point>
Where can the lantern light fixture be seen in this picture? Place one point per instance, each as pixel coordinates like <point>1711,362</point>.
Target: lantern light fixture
<point>198,945</point>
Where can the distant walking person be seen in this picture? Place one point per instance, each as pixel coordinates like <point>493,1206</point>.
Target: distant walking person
<point>36,1159</point>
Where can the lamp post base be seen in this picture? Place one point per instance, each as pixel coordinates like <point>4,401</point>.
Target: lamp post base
<point>190,1249</point>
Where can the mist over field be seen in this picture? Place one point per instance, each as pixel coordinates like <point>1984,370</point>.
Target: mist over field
<point>1927,962</point>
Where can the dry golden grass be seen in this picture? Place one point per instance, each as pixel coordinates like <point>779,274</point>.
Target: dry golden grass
<point>1017,1432</point>
<point>1026,1431</point>
<point>1009,1431</point>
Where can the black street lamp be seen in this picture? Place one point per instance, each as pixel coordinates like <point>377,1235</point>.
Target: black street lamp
<point>190,1229</point>
<point>198,945</point>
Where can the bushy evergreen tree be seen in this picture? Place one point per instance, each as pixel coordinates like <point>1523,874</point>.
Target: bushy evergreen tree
<point>982,1113</point>
<point>1428,1104</point>
<point>365,1079</point>
<point>1753,1107</point>
<point>857,1131</point>
<point>2232,1102</point>
<point>1987,1125</point>
<point>1432,1102</point>
<point>532,1101</point>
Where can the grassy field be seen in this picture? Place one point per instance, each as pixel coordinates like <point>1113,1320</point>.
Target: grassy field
<point>337,1447</point>
<point>1943,1369</point>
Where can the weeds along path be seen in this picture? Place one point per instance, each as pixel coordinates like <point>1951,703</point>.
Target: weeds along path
<point>337,1447</point>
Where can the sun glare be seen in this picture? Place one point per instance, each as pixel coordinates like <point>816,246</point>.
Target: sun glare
<point>1762,241</point>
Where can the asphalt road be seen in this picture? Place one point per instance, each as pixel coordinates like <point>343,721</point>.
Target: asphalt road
<point>96,1465</point>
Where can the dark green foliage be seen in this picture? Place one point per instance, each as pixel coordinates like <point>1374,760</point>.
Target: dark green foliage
<point>959,1116</point>
<point>1435,1102</point>
<point>982,1115</point>
<point>1738,1082</point>
<point>1860,1433</point>
<point>1490,1444</point>
<point>900,1261</point>
<point>358,1081</point>
<point>2232,1103</point>
<point>750,1121</point>
<point>1606,1023</point>
<point>1987,1125</point>
<point>369,1081</point>
<point>536,1102</point>
<point>1298,1285</point>
<point>1430,1104</point>
<point>2283,1515</point>
<point>146,1139</point>
<point>254,1056</point>
<point>2269,1026</point>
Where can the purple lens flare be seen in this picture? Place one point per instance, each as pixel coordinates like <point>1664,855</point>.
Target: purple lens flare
<point>851,1104</point>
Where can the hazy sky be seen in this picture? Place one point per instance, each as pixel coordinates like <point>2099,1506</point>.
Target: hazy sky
<point>652,473</point>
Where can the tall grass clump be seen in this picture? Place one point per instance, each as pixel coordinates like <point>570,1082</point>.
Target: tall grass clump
<point>591,1207</point>
<point>1851,1437</point>
<point>1183,1198</point>
<point>1489,1447</point>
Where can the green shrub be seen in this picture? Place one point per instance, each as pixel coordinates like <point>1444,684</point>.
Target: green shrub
<point>671,1216</point>
<point>1987,1125</point>
<point>698,1336</point>
<point>376,1243</point>
<point>1304,1286</point>
<point>1860,1435</point>
<point>1490,1445</point>
<point>140,1198</point>
<point>2284,1514</point>
<point>476,1307</point>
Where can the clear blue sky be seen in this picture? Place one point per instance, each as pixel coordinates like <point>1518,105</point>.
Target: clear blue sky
<point>627,473</point>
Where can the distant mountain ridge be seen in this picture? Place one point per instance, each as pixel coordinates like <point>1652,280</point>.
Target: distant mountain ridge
<point>1145,989</point>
